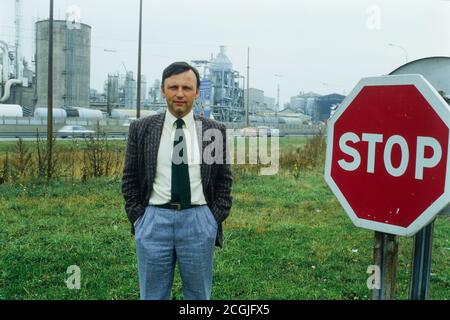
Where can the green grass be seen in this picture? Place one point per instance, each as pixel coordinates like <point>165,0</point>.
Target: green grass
<point>286,238</point>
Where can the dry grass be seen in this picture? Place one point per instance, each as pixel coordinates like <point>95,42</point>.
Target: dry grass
<point>80,160</point>
<point>309,156</point>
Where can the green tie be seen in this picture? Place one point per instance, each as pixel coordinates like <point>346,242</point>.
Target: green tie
<point>181,186</point>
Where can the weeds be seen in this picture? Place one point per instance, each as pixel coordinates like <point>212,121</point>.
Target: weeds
<point>5,173</point>
<point>92,157</point>
<point>309,156</point>
<point>96,156</point>
<point>100,160</point>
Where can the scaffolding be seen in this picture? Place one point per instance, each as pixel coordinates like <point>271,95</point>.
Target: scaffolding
<point>68,73</point>
<point>226,98</point>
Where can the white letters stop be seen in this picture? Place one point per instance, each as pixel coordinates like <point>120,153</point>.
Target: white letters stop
<point>373,139</point>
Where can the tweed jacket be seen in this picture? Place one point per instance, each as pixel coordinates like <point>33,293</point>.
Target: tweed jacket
<point>140,169</point>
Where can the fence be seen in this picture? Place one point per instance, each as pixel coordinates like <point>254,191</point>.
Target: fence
<point>66,121</point>
<point>285,128</point>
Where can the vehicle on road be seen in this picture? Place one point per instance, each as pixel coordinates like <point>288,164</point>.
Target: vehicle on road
<point>74,132</point>
<point>249,132</point>
<point>260,131</point>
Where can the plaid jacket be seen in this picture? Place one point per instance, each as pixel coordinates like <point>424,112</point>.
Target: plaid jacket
<point>140,170</point>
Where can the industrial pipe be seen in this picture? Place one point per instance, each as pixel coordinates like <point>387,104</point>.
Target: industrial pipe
<point>8,86</point>
<point>1,71</point>
<point>5,49</point>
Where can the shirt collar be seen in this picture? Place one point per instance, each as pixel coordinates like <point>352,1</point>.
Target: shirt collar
<point>188,119</point>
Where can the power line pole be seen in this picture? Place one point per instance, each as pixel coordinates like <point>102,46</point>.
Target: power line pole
<point>278,98</point>
<point>277,108</point>
<point>138,100</point>
<point>50,95</point>
<point>248,88</point>
<point>404,50</point>
<point>18,59</point>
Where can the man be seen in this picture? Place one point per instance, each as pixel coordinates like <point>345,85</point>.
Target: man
<point>175,200</point>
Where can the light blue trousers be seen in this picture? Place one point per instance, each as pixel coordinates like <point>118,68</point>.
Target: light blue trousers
<point>164,236</point>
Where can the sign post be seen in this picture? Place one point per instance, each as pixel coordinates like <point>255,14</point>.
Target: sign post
<point>421,266</point>
<point>385,256</point>
<point>387,162</point>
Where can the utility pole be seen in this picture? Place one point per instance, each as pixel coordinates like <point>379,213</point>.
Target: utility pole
<point>400,47</point>
<point>278,99</point>
<point>278,105</point>
<point>277,108</point>
<point>50,95</point>
<point>18,59</point>
<point>138,100</point>
<point>108,94</point>
<point>248,88</point>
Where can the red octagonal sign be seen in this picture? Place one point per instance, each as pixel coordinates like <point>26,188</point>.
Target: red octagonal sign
<point>387,154</point>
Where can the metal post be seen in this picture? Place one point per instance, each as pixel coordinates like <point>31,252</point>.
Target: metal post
<point>18,21</point>
<point>404,50</point>
<point>138,100</point>
<point>278,98</point>
<point>108,99</point>
<point>248,88</point>
<point>278,105</point>
<point>50,94</point>
<point>385,257</point>
<point>421,267</point>
<point>243,91</point>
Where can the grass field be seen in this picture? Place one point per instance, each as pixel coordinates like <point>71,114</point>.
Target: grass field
<point>286,238</point>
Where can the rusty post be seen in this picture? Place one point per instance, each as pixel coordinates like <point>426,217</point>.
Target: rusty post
<point>385,257</point>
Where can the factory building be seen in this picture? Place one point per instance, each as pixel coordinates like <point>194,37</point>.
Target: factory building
<point>304,102</point>
<point>154,93</point>
<point>112,92</point>
<point>259,103</point>
<point>220,88</point>
<point>325,105</point>
<point>17,89</point>
<point>71,64</point>
<point>129,91</point>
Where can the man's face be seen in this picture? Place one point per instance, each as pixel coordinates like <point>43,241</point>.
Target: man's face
<point>180,91</point>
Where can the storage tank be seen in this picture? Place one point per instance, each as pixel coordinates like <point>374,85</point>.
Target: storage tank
<point>298,103</point>
<point>41,113</point>
<point>10,110</point>
<point>71,63</point>
<point>130,113</point>
<point>89,114</point>
<point>435,69</point>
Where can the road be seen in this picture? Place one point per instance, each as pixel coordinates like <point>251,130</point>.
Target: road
<point>28,136</point>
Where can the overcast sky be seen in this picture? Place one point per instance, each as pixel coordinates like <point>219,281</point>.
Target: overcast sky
<point>323,46</point>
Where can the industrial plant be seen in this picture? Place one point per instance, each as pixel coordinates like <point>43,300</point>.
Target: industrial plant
<point>224,95</point>
<point>24,88</point>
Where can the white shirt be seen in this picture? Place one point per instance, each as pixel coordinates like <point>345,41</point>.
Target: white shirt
<point>162,186</point>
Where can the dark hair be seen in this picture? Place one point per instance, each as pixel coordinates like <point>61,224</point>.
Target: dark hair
<point>177,68</point>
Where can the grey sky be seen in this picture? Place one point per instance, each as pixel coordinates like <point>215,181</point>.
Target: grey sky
<point>324,46</point>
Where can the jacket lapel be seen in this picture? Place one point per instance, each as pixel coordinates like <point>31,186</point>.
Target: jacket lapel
<point>205,170</point>
<point>153,139</point>
<point>151,145</point>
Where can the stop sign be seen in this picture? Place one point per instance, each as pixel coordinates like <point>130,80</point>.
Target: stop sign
<point>387,154</point>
